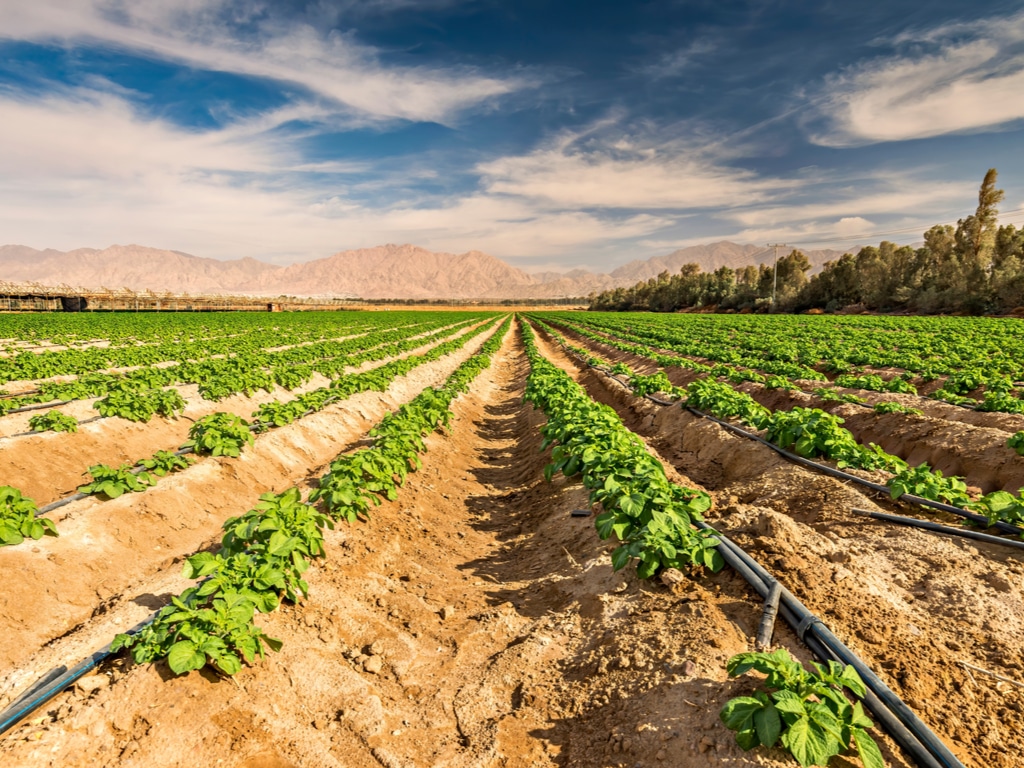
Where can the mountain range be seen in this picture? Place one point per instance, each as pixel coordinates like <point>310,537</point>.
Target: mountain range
<point>383,272</point>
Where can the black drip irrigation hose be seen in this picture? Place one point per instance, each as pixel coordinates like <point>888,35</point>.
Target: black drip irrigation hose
<point>939,528</point>
<point>55,681</point>
<point>78,496</point>
<point>906,728</point>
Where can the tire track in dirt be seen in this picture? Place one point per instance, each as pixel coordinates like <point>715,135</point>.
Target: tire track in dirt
<point>910,604</point>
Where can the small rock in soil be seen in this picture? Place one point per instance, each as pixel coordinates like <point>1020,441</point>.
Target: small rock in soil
<point>373,665</point>
<point>93,683</point>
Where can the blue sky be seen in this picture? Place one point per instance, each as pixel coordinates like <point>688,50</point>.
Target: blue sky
<point>552,135</point>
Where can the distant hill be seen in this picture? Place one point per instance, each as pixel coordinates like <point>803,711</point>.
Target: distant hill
<point>386,271</point>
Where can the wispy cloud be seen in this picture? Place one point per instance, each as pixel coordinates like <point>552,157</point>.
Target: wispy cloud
<point>241,37</point>
<point>631,170</point>
<point>953,78</point>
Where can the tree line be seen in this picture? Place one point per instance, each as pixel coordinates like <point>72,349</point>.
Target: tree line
<point>976,267</point>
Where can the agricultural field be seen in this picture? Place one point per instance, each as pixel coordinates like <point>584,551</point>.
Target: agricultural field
<point>453,538</point>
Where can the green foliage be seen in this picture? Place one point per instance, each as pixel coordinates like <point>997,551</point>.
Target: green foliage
<point>812,432</point>
<point>279,414</point>
<point>1016,442</point>
<point>18,519</point>
<point>834,396</point>
<point>219,434</point>
<point>893,407</point>
<point>929,484</point>
<point>265,552</point>
<point>652,517</point>
<point>162,463</point>
<point>724,402</point>
<point>649,385</point>
<point>141,404</point>
<point>806,712</point>
<point>112,482</point>
<point>53,421</point>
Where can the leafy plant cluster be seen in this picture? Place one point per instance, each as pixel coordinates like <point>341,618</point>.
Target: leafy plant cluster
<point>18,519</point>
<point>970,353</point>
<point>141,404</point>
<point>359,480</point>
<point>893,407</point>
<point>216,366</point>
<point>219,434</point>
<point>53,421</point>
<point>265,552</point>
<point>807,712</point>
<point>112,482</point>
<point>812,433</point>
<point>652,517</point>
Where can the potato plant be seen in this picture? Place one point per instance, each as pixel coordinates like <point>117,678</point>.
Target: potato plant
<point>18,519</point>
<point>265,552</point>
<point>651,517</point>
<point>807,712</point>
<point>53,421</point>
<point>112,482</point>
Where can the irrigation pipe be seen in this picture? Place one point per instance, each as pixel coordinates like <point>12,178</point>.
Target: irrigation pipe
<point>906,728</point>
<point>938,528</point>
<point>55,681</point>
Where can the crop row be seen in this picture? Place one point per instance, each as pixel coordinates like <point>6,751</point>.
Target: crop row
<point>965,361</point>
<point>265,552</point>
<point>217,434</point>
<point>812,433</point>
<point>650,516</point>
<point>222,376</point>
<point>808,712</point>
<point>738,374</point>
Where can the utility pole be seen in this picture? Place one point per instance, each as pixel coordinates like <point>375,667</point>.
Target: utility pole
<point>775,277</point>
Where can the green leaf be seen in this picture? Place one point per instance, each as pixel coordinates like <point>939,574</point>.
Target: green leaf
<point>768,725</point>
<point>738,713</point>
<point>867,748</point>
<point>620,558</point>
<point>183,657</point>
<point>807,742</point>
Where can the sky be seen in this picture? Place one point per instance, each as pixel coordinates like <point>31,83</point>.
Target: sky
<point>553,135</point>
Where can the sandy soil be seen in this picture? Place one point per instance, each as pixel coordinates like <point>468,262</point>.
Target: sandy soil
<point>912,604</point>
<point>474,622</point>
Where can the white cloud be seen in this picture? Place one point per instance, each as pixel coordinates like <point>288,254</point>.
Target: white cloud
<point>83,168</point>
<point>205,34</point>
<point>628,172</point>
<point>955,78</point>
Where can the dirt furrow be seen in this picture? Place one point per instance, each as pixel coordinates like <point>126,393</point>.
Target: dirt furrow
<point>472,622</point>
<point>977,452</point>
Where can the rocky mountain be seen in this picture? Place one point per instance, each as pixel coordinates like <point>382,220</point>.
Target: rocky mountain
<point>712,256</point>
<point>386,271</point>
